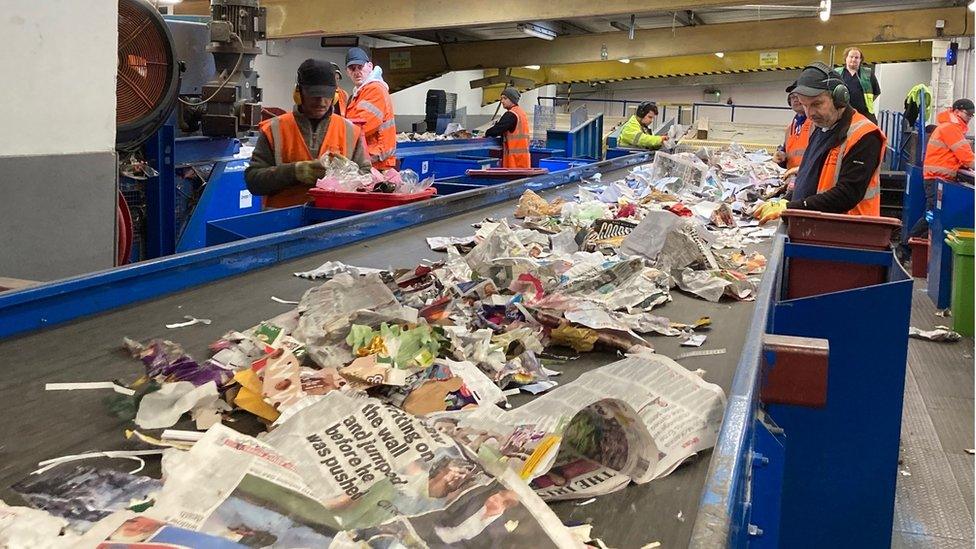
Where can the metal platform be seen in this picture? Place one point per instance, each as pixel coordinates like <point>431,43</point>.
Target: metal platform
<point>50,424</point>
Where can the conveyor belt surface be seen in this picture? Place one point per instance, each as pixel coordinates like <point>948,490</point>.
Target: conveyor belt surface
<point>41,425</point>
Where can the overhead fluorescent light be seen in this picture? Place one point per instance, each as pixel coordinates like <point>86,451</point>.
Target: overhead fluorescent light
<point>624,60</point>
<point>824,10</point>
<point>720,54</point>
<point>537,31</point>
<point>972,6</point>
<point>819,47</point>
<point>532,67</point>
<point>167,2</point>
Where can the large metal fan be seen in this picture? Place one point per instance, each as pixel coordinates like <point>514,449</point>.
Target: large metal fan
<point>147,82</point>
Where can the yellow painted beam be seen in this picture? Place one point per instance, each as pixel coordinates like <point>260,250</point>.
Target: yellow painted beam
<point>291,18</point>
<point>891,26</point>
<point>707,65</point>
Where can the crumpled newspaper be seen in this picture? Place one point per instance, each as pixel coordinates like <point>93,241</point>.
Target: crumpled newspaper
<point>940,333</point>
<point>713,284</point>
<point>329,269</point>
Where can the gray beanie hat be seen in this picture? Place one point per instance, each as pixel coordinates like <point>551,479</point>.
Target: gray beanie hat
<point>512,94</point>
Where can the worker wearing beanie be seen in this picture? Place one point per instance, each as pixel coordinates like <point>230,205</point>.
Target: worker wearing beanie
<point>371,105</point>
<point>636,132</point>
<point>946,151</point>
<point>283,165</point>
<point>840,171</point>
<point>513,128</point>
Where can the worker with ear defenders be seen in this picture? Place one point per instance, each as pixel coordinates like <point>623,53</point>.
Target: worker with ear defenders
<point>288,157</point>
<point>636,132</point>
<point>841,167</point>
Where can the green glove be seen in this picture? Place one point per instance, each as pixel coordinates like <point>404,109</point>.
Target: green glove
<point>309,171</point>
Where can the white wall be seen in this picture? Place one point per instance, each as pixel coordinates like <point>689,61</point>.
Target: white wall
<point>58,66</point>
<point>278,69</point>
<point>412,101</point>
<point>896,79</point>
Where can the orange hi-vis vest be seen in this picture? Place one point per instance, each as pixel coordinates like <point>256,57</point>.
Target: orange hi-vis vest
<point>373,105</point>
<point>870,205</point>
<point>947,149</point>
<point>341,101</point>
<point>289,146</point>
<point>796,142</point>
<point>515,144</point>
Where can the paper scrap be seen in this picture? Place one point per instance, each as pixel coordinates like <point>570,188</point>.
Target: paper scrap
<point>283,301</point>
<point>651,545</point>
<point>709,352</point>
<point>190,321</point>
<point>694,341</point>
<point>940,333</point>
<point>586,502</point>
<point>511,392</point>
<point>539,387</point>
<point>86,385</point>
<point>164,407</point>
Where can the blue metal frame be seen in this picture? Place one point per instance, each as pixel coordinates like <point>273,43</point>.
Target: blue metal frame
<point>953,210</point>
<point>789,476</point>
<point>71,298</point>
<point>585,140</point>
<point>161,193</point>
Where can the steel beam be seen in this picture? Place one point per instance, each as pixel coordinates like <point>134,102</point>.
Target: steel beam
<point>862,28</point>
<point>291,18</point>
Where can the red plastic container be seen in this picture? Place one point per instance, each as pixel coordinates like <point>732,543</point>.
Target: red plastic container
<point>507,172</point>
<point>920,256</point>
<point>806,277</point>
<point>365,202</point>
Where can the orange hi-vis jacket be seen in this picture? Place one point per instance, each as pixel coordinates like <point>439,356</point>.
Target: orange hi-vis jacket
<point>341,100</point>
<point>947,149</point>
<point>515,144</point>
<point>796,142</point>
<point>373,105</point>
<point>289,146</point>
<point>860,126</point>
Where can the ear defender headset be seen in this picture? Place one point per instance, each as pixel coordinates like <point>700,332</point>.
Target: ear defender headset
<point>644,108</point>
<point>838,90</point>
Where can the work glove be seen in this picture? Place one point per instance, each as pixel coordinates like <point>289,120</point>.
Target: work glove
<point>770,211</point>
<point>309,171</point>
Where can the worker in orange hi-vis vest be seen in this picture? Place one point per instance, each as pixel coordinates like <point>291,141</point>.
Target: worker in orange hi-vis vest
<point>797,136</point>
<point>287,159</point>
<point>841,168</point>
<point>341,97</point>
<point>371,105</point>
<point>513,128</point>
<point>946,151</point>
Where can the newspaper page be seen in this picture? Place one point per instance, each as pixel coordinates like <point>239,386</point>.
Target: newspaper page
<point>382,472</point>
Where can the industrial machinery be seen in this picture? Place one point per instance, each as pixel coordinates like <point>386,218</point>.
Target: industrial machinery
<point>187,90</point>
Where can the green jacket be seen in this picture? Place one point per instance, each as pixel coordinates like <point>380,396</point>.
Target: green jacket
<point>913,98</point>
<point>634,134</point>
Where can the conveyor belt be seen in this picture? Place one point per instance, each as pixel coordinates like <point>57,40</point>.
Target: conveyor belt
<point>41,425</point>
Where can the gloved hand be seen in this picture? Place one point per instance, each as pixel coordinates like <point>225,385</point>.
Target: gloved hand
<point>309,171</point>
<point>769,211</point>
<point>790,172</point>
<point>779,157</point>
<point>929,216</point>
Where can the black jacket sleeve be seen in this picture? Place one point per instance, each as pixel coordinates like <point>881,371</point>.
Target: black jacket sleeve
<point>876,88</point>
<point>505,124</point>
<point>262,176</point>
<point>856,170</point>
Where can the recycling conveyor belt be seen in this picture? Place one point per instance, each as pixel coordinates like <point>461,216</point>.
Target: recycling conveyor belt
<point>41,424</point>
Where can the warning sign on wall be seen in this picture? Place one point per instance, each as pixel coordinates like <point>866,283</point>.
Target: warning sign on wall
<point>768,58</point>
<point>399,60</point>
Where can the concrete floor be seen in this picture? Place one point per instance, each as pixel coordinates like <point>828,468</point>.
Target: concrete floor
<point>934,498</point>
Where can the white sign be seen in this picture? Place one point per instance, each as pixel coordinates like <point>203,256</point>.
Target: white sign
<point>768,58</point>
<point>424,167</point>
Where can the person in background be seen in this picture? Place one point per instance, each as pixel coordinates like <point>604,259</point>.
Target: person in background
<point>513,128</point>
<point>283,165</point>
<point>841,168</point>
<point>371,104</point>
<point>636,131</point>
<point>946,151</point>
<point>341,97</point>
<point>861,83</point>
<point>797,136</point>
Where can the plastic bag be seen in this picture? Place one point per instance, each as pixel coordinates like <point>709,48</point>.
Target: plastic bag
<point>410,182</point>
<point>342,175</point>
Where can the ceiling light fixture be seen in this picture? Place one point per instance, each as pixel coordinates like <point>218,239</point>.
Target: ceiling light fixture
<point>720,54</point>
<point>824,10</point>
<point>819,47</point>
<point>624,60</point>
<point>532,67</point>
<point>537,31</point>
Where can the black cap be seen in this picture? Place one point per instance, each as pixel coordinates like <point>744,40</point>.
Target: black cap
<point>815,80</point>
<point>356,56</point>
<point>791,87</point>
<point>964,105</point>
<point>316,78</point>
